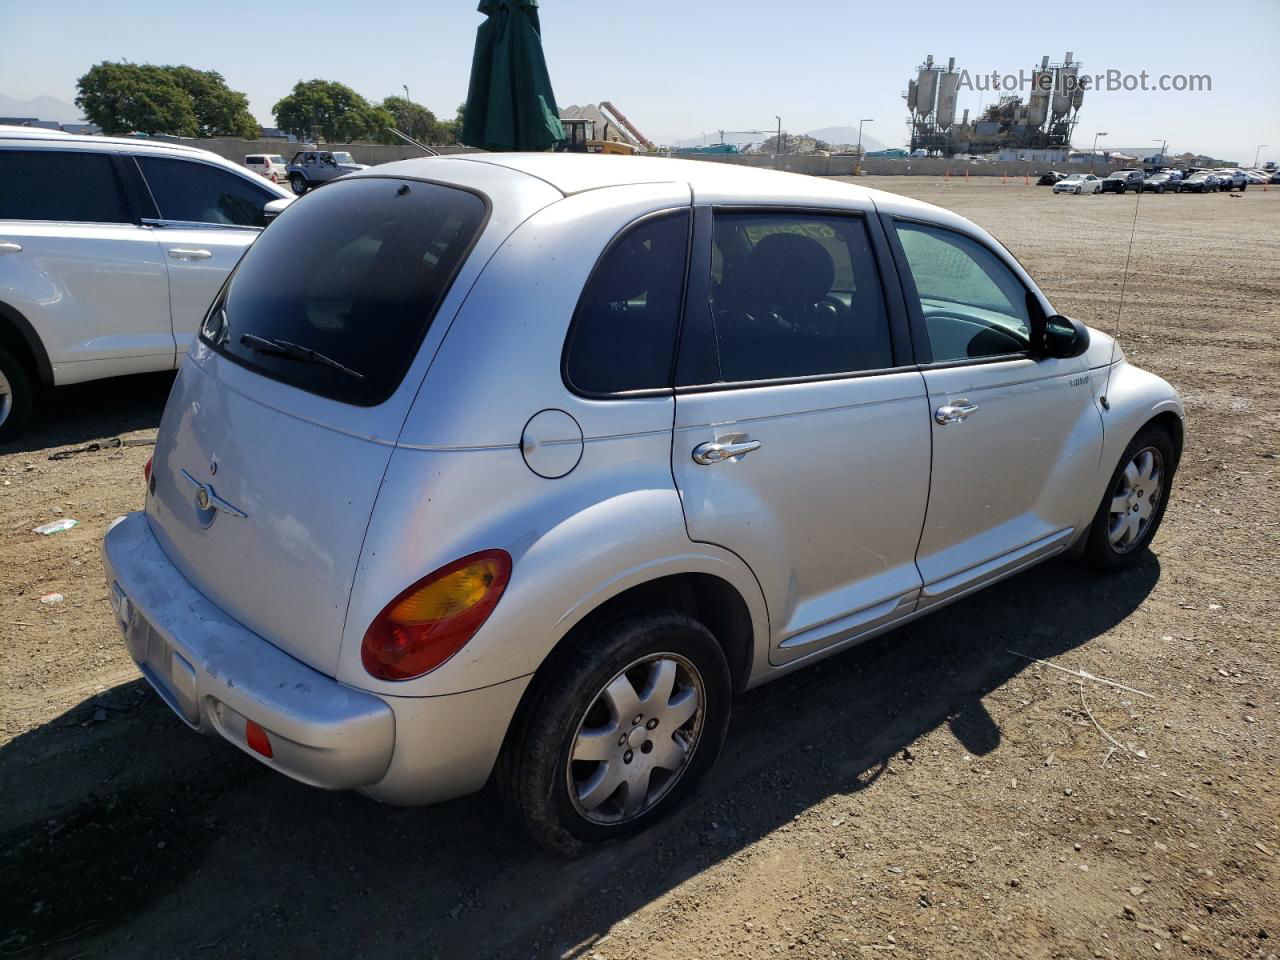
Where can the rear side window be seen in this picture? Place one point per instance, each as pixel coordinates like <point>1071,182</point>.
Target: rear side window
<point>624,332</point>
<point>199,193</point>
<point>795,295</point>
<point>336,297</point>
<point>60,185</point>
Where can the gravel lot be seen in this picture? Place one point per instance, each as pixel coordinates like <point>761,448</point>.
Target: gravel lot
<point>926,795</point>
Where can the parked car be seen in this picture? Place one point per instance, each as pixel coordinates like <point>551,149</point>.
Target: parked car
<point>111,251</point>
<point>269,165</point>
<point>310,168</point>
<point>1123,180</point>
<point>1160,182</point>
<point>1078,183</point>
<point>479,468</point>
<point>1050,178</point>
<point>1202,182</point>
<point>1275,178</point>
<point>1231,179</point>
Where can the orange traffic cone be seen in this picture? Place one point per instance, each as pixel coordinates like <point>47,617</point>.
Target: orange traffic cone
<point>1026,179</point>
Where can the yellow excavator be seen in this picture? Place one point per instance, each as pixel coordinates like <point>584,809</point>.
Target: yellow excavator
<point>582,134</point>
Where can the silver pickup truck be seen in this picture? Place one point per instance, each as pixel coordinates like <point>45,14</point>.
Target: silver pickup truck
<point>310,168</point>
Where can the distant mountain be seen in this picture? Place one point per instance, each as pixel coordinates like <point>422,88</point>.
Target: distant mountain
<point>42,108</point>
<point>847,135</point>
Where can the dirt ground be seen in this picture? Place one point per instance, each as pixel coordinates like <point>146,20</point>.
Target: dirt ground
<point>927,795</point>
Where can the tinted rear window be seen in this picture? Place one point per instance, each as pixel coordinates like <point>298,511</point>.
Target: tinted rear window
<point>354,272</point>
<point>60,185</point>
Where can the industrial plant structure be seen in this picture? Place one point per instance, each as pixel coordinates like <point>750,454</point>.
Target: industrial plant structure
<point>1044,122</point>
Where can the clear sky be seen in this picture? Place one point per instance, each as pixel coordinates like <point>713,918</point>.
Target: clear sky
<point>682,67</point>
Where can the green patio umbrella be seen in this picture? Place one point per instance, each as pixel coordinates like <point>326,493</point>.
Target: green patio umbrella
<point>510,104</point>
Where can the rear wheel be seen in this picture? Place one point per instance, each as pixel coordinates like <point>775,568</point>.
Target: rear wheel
<point>621,734</point>
<point>16,396</point>
<point>1134,504</point>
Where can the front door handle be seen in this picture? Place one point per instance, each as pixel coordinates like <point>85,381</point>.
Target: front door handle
<point>8,247</point>
<point>954,412</point>
<point>726,448</point>
<point>189,253</point>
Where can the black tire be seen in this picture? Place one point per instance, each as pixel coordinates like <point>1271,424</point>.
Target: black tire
<point>535,770</point>
<point>1100,551</point>
<point>17,400</point>
<point>299,184</point>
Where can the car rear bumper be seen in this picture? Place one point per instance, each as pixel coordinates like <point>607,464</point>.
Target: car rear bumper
<point>217,675</point>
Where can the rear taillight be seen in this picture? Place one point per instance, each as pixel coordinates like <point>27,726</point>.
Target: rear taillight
<point>431,621</point>
<point>146,471</point>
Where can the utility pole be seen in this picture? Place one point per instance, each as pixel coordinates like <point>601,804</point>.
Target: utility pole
<point>1257,153</point>
<point>857,167</point>
<point>1163,145</point>
<point>1094,152</point>
<point>406,92</point>
<point>777,143</point>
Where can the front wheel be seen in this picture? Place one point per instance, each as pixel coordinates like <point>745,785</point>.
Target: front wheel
<point>299,183</point>
<point>16,396</point>
<point>621,733</point>
<point>1134,504</point>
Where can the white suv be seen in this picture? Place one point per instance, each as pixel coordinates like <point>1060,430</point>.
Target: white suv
<point>111,251</point>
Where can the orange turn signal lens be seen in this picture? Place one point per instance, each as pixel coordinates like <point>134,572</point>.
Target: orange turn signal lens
<point>432,620</point>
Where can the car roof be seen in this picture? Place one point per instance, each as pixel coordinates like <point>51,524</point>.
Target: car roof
<point>709,181</point>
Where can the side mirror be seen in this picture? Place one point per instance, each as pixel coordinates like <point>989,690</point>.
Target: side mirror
<point>1063,338</point>
<point>272,208</point>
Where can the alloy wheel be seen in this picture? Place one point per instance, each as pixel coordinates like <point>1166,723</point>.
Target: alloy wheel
<point>6,398</point>
<point>1135,499</point>
<point>636,739</point>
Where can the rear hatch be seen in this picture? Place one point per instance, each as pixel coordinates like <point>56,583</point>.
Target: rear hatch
<point>279,428</point>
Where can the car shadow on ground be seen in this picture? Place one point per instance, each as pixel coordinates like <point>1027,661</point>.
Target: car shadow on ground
<point>131,836</point>
<point>94,411</point>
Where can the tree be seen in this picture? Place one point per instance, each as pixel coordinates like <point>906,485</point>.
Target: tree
<point>220,111</point>
<point>330,111</point>
<point>177,100</point>
<point>128,98</point>
<point>415,120</point>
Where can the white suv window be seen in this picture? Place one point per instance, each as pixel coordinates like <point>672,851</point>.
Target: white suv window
<point>64,185</point>
<point>192,192</point>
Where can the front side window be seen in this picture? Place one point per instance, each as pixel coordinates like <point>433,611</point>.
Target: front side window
<point>624,331</point>
<point>973,304</point>
<point>336,297</point>
<point>64,185</point>
<point>192,192</point>
<point>795,295</point>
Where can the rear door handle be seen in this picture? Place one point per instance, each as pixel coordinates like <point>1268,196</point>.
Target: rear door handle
<point>954,412</point>
<point>8,247</point>
<point>726,448</point>
<point>189,253</point>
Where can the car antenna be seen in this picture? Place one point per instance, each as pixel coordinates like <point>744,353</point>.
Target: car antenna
<point>1124,282</point>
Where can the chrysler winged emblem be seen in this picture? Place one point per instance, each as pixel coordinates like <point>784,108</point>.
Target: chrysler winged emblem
<point>207,499</point>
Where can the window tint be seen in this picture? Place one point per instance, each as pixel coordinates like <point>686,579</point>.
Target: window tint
<point>973,305</point>
<point>624,331</point>
<point>354,272</point>
<point>198,193</point>
<point>794,295</point>
<point>60,185</point>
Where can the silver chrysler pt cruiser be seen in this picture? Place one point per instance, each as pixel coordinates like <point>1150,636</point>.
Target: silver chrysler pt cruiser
<point>522,466</point>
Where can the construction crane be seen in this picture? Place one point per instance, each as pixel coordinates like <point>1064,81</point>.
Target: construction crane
<point>621,120</point>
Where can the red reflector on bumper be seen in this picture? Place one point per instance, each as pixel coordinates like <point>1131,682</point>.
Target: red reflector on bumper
<point>257,738</point>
